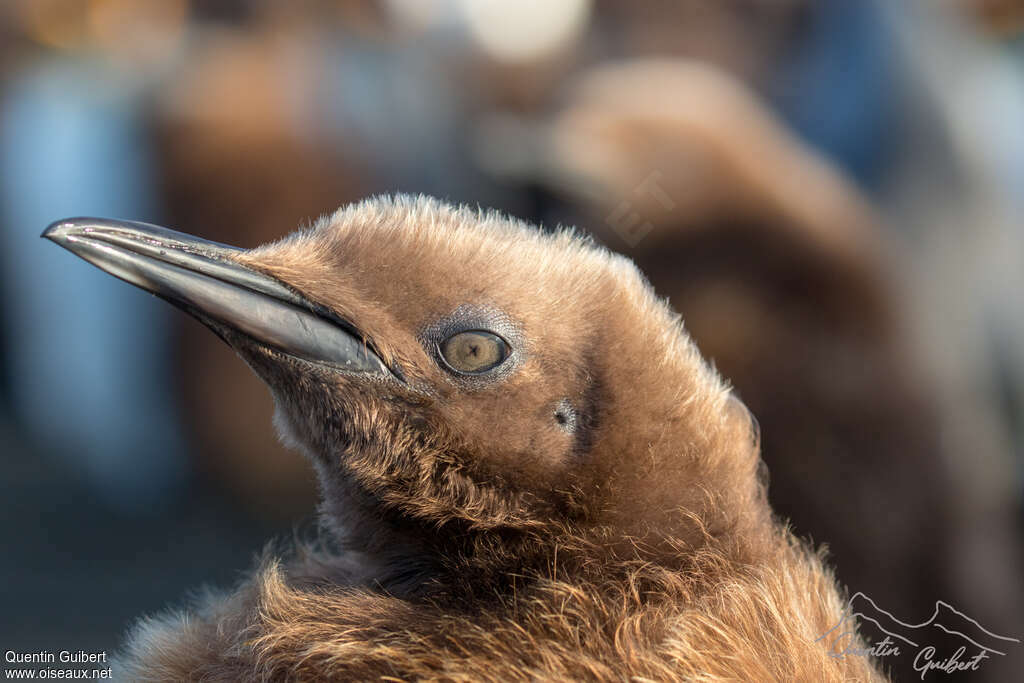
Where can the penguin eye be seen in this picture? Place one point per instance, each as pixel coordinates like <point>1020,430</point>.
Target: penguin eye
<point>474,352</point>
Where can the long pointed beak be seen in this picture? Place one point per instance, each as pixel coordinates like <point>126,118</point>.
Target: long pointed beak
<point>202,278</point>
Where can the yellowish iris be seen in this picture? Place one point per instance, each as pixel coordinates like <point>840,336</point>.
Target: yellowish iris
<point>474,351</point>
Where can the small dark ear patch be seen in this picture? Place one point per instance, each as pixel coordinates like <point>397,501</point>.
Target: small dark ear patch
<point>565,415</point>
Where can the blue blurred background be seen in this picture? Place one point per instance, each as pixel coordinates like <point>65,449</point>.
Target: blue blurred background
<point>137,460</point>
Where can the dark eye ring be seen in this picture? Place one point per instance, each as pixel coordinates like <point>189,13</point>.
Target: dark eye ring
<point>474,352</point>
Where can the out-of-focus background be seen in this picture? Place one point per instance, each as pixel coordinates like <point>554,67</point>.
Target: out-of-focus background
<point>830,191</point>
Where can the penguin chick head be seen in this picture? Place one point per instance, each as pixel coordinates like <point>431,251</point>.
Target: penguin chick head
<point>459,373</point>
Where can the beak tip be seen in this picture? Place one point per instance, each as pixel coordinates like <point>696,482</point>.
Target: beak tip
<point>58,231</point>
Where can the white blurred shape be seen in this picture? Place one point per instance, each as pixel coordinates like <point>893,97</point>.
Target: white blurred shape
<point>526,30</point>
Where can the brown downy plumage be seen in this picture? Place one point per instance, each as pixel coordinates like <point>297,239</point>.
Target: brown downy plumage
<point>530,473</point>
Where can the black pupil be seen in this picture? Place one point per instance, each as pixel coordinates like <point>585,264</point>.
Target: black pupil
<point>474,351</point>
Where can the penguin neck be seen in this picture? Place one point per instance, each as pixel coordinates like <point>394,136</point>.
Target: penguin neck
<point>407,557</point>
<point>414,559</point>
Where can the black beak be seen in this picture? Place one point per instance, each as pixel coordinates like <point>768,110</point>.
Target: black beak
<point>201,278</point>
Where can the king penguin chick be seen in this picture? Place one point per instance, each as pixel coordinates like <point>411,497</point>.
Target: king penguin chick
<point>527,470</point>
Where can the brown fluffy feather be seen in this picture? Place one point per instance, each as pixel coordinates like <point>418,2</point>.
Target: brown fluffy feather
<point>470,536</point>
